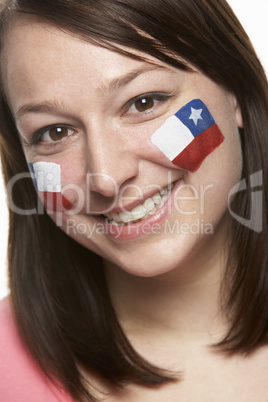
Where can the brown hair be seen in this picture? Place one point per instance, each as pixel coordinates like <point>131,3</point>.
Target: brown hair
<point>62,305</point>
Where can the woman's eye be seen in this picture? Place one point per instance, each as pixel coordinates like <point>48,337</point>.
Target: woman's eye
<point>54,134</point>
<point>144,104</point>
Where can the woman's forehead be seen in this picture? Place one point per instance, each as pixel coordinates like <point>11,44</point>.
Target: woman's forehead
<point>42,62</point>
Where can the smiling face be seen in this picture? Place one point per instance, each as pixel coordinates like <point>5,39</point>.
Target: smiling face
<point>93,113</point>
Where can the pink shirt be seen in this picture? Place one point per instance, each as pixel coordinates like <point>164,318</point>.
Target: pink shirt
<point>20,377</point>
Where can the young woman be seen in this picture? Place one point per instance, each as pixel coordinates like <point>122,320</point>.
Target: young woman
<point>140,272</point>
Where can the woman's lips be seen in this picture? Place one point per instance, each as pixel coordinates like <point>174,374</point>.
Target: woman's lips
<point>143,227</point>
<point>143,210</point>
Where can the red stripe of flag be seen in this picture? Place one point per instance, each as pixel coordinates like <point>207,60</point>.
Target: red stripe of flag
<point>203,144</point>
<point>55,201</point>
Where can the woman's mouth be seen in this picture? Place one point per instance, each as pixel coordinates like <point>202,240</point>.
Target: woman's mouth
<point>142,211</point>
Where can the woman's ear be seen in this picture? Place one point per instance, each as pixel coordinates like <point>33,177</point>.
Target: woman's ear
<point>236,110</point>
<point>238,115</point>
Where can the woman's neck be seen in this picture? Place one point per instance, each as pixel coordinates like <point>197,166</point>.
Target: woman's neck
<point>185,302</point>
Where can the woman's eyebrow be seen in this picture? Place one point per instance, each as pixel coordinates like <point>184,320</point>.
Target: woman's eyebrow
<point>42,107</point>
<point>121,81</point>
<point>113,85</point>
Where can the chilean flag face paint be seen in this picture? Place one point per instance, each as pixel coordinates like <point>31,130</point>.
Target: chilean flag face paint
<point>189,136</point>
<point>47,181</point>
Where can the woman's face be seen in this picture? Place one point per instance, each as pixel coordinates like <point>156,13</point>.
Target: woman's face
<point>92,112</point>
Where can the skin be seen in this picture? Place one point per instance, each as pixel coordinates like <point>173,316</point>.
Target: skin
<point>150,273</point>
<point>105,134</point>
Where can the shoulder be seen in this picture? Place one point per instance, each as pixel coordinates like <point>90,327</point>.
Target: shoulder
<point>20,376</point>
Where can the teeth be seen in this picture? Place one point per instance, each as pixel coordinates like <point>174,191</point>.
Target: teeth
<point>148,204</point>
<point>157,199</point>
<point>114,223</point>
<point>126,216</point>
<point>114,217</point>
<point>164,199</point>
<point>169,189</point>
<point>143,211</point>
<point>138,212</point>
<point>153,210</point>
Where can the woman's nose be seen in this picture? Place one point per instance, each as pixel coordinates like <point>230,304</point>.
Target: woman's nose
<point>111,162</point>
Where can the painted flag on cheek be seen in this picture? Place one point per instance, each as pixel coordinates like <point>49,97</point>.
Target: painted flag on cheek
<point>189,136</point>
<point>47,181</point>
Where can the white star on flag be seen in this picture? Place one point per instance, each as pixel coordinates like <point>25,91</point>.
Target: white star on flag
<point>196,115</point>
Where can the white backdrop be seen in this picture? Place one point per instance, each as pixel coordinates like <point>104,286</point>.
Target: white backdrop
<point>252,14</point>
